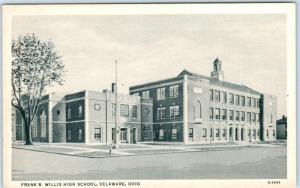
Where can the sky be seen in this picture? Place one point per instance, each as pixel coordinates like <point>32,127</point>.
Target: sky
<point>252,48</point>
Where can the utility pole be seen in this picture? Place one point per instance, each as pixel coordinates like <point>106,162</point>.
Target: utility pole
<point>116,114</point>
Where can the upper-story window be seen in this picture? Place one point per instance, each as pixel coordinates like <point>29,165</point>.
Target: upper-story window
<point>174,112</point>
<point>124,110</point>
<point>253,117</point>
<point>146,94</point>
<point>161,113</point>
<point>79,111</point>
<point>197,110</point>
<point>136,94</point>
<point>242,116</point>
<point>217,96</point>
<point>257,117</point>
<point>217,113</point>
<point>257,103</point>
<point>224,97</point>
<point>69,113</point>
<point>224,114</point>
<point>254,102</point>
<point>231,115</point>
<point>271,118</point>
<point>134,111</point>
<point>249,101</point>
<point>174,91</point>
<point>211,113</point>
<point>237,115</point>
<point>243,100</point>
<point>113,109</point>
<point>248,116</point>
<point>161,93</point>
<point>211,95</point>
<point>237,100</point>
<point>231,98</point>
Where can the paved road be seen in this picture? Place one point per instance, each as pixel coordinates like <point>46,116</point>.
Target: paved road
<point>256,162</point>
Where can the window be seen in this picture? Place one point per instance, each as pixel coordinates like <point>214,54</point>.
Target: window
<point>79,111</point>
<point>69,113</point>
<point>113,132</point>
<point>249,133</point>
<point>253,117</point>
<point>224,97</point>
<point>223,132</point>
<point>242,116</point>
<point>257,117</point>
<point>161,113</point>
<point>224,114</point>
<point>267,133</point>
<point>161,134</point>
<point>254,103</point>
<point>134,111</point>
<point>257,101</point>
<point>271,118</point>
<point>248,116</point>
<point>43,124</point>
<point>248,101</point>
<point>217,132</point>
<point>211,132</point>
<point>136,94</point>
<point>217,96</point>
<point>257,133</point>
<point>204,132</point>
<point>243,100</point>
<point>79,134</point>
<point>58,112</point>
<point>161,93</point>
<point>191,133</point>
<point>124,110</point>
<point>174,112</point>
<point>113,109</point>
<point>231,98</point>
<point>273,133</point>
<point>97,134</point>
<point>174,91</point>
<point>217,113</point>
<point>254,134</point>
<point>237,115</point>
<point>174,134</point>
<point>211,95</point>
<point>197,110</point>
<point>231,115</point>
<point>211,113</point>
<point>34,129</point>
<point>146,94</point>
<point>69,134</point>
<point>237,100</point>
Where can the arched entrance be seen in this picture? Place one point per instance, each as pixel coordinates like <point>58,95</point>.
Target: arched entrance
<point>236,134</point>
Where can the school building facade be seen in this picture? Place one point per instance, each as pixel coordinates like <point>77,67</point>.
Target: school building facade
<point>90,117</point>
<point>193,108</point>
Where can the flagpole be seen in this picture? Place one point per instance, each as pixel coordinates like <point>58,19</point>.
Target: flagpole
<point>116,114</point>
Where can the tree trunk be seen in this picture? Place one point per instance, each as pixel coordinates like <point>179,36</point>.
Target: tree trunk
<point>28,134</point>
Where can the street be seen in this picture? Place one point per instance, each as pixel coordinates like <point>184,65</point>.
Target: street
<point>245,162</point>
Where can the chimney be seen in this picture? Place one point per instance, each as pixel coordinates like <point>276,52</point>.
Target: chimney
<point>113,87</point>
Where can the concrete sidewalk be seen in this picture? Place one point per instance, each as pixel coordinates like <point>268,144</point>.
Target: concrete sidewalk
<point>101,151</point>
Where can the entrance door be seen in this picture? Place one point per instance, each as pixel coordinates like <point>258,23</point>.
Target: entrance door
<point>133,136</point>
<point>123,135</point>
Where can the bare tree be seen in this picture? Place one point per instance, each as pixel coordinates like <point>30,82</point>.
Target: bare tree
<point>35,65</point>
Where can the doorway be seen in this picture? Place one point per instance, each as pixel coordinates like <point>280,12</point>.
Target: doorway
<point>123,135</point>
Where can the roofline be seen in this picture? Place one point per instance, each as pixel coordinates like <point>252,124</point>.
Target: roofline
<point>154,82</point>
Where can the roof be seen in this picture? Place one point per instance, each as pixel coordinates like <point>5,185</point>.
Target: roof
<point>214,81</point>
